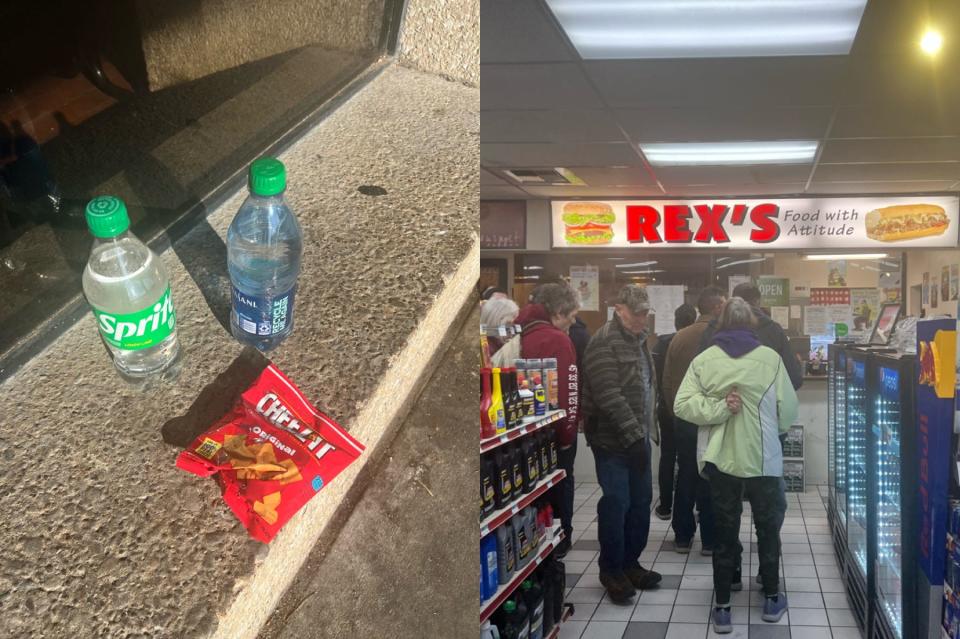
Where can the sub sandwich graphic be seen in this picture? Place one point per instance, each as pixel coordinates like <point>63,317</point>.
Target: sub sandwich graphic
<point>906,222</point>
<point>588,222</point>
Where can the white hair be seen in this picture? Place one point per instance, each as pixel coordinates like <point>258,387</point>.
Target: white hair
<point>498,312</point>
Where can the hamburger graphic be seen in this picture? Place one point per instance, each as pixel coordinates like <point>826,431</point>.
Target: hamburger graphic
<point>588,223</point>
<point>906,222</point>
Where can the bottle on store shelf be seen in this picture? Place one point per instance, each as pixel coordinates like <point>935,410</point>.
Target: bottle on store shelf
<point>264,246</point>
<point>534,369</point>
<point>522,539</point>
<point>539,397</point>
<point>531,463</point>
<point>532,594</point>
<point>543,442</point>
<point>526,399</point>
<point>521,366</point>
<point>515,399</point>
<point>488,567</point>
<point>129,291</point>
<point>558,574</point>
<point>488,492</point>
<point>503,486</point>
<point>489,631</point>
<point>509,410</point>
<point>497,414</point>
<point>551,382</point>
<point>546,515</point>
<point>554,448</point>
<point>487,428</point>
<point>506,553</point>
<point>516,468</point>
<point>538,533</point>
<point>515,623</point>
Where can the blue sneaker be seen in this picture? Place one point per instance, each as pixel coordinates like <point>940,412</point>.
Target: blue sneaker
<point>774,607</point>
<point>721,621</point>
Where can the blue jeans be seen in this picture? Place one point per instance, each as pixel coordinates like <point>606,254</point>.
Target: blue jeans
<point>691,488</point>
<point>623,514</point>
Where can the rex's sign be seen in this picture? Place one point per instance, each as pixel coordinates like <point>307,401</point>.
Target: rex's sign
<point>787,223</point>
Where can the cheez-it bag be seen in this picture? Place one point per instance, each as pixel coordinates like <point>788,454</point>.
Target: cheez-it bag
<point>271,453</point>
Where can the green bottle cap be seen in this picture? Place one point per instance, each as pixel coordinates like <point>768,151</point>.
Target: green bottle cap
<point>107,216</point>
<point>267,177</point>
<point>510,606</point>
<point>526,585</point>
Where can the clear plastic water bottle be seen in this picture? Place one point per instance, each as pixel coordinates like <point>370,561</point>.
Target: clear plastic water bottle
<point>264,245</point>
<point>129,291</point>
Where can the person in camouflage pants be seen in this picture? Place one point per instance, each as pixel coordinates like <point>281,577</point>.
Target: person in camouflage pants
<point>769,504</point>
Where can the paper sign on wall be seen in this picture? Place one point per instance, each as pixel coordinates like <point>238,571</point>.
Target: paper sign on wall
<point>774,291</point>
<point>734,281</point>
<point>664,301</point>
<point>781,315</point>
<point>586,281</point>
<point>815,321</point>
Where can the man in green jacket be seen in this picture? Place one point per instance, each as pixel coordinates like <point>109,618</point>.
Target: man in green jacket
<point>740,395</point>
<point>620,404</point>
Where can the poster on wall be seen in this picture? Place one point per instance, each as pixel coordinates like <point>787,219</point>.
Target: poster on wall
<point>829,296</point>
<point>840,318</point>
<point>815,321</point>
<point>925,291</point>
<point>774,291</point>
<point>777,223</point>
<point>837,273</point>
<point>586,281</point>
<point>933,292</point>
<point>800,290</point>
<point>889,280</point>
<point>503,224</point>
<point>664,301</point>
<point>781,315</point>
<point>945,283</point>
<point>954,281</point>
<point>866,306</point>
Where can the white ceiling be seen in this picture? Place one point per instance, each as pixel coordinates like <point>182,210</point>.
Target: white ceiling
<point>887,117</point>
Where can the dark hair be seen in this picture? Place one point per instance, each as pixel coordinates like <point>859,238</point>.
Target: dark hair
<point>749,293</point>
<point>737,313</point>
<point>490,291</point>
<point>557,299</point>
<point>710,299</point>
<point>684,316</point>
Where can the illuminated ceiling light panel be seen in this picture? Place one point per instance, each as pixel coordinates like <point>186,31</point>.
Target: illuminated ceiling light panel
<point>713,153</point>
<point>634,29</point>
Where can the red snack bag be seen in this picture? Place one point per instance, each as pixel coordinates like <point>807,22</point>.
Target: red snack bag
<point>271,453</point>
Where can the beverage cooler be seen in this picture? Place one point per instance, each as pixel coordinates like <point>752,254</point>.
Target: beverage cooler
<point>892,494</point>
<point>859,511</point>
<point>837,448</point>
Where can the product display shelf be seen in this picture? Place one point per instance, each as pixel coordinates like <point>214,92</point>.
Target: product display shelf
<point>567,613</point>
<point>504,591</point>
<point>530,424</point>
<point>499,517</point>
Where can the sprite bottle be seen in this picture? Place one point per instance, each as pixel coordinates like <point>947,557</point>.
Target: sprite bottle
<point>129,292</point>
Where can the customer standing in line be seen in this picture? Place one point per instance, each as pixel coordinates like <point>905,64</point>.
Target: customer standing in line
<point>545,322</point>
<point>739,393</point>
<point>620,404</point>
<point>692,489</point>
<point>684,316</point>
<point>498,312</point>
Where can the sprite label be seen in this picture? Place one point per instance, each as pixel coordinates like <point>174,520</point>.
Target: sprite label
<point>143,329</point>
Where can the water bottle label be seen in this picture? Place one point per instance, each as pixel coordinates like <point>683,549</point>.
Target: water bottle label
<point>263,315</point>
<point>143,329</point>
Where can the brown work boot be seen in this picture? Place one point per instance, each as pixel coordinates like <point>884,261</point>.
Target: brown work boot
<point>618,587</point>
<point>641,578</point>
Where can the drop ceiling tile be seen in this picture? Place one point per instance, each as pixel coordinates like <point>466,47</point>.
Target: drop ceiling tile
<point>747,83</point>
<point>489,179</point>
<point>519,31</point>
<point>855,188</point>
<point>535,86</point>
<point>695,175</point>
<point>892,150</point>
<point>882,172</point>
<point>554,155</point>
<point>502,193</point>
<point>619,176</point>
<point>564,192</point>
<point>548,126</point>
<point>895,120</point>
<point>735,189</point>
<point>697,124</point>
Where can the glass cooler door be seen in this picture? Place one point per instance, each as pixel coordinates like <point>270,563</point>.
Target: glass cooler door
<point>856,428</point>
<point>831,421</point>
<point>840,436</point>
<point>886,438</point>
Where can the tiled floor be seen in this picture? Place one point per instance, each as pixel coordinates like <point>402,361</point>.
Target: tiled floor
<point>680,607</point>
